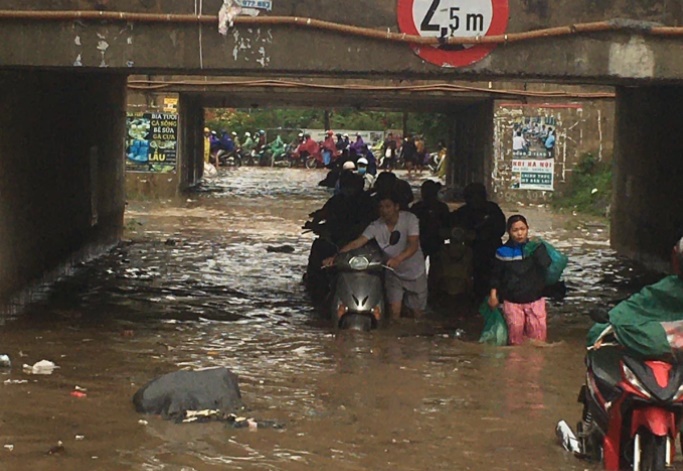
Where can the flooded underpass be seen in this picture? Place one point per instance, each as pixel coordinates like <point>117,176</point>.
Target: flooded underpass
<point>195,286</point>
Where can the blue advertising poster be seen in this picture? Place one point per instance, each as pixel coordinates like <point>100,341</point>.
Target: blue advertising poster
<point>151,142</point>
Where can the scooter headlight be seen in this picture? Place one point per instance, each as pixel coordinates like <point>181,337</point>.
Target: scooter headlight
<point>634,381</point>
<point>359,263</point>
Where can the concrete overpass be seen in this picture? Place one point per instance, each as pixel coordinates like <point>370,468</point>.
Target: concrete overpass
<point>64,69</point>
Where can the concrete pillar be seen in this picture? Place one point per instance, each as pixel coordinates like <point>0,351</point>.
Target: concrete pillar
<point>191,145</point>
<point>648,170</point>
<point>471,145</point>
<point>61,171</point>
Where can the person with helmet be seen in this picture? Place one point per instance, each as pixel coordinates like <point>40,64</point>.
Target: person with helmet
<point>408,153</point>
<point>248,145</point>
<point>215,141</point>
<point>347,144</point>
<point>486,221</point>
<point>389,151</point>
<point>260,141</point>
<point>434,217</point>
<point>346,215</point>
<point>278,148</point>
<point>340,145</point>
<point>357,147</point>
<point>226,141</point>
<point>372,160</point>
<point>308,148</point>
<point>329,149</point>
<point>388,182</point>
<point>368,178</point>
<point>207,145</point>
<point>236,140</point>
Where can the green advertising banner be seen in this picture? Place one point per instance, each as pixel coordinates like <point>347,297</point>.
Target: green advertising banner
<point>152,142</point>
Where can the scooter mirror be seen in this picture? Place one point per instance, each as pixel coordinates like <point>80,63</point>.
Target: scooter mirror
<point>599,315</point>
<point>394,238</point>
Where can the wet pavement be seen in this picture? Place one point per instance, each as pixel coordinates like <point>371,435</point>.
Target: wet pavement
<point>196,287</point>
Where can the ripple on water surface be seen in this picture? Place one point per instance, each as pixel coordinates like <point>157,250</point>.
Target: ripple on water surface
<point>196,287</point>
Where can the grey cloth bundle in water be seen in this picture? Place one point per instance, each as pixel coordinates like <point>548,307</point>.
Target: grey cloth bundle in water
<point>173,394</point>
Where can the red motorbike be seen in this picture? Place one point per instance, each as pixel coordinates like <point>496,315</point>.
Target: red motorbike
<point>309,154</point>
<point>632,408</point>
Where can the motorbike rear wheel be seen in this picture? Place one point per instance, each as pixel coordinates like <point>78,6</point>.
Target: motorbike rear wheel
<point>649,452</point>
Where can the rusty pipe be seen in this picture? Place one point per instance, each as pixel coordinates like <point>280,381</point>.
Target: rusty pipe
<point>569,30</point>
<point>438,87</point>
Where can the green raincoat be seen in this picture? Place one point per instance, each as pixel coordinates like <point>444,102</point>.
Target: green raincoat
<point>649,323</point>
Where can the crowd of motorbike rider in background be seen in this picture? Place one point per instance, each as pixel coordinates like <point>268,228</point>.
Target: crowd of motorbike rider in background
<point>409,152</point>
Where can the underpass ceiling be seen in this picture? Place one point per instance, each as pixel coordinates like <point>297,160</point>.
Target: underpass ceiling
<point>379,94</point>
<point>265,98</point>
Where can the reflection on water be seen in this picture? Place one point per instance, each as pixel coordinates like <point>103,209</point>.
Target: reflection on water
<point>195,287</point>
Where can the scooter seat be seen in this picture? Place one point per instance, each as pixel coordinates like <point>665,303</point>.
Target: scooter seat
<point>606,363</point>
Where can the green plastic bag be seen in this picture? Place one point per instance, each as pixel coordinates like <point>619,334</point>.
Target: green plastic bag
<point>495,328</point>
<point>558,260</point>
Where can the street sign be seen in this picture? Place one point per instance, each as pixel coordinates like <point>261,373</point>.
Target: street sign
<point>453,18</point>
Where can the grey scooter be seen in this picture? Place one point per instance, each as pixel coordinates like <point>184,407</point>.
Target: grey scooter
<point>358,288</point>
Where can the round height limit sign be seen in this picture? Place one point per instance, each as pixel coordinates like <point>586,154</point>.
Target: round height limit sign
<point>453,18</point>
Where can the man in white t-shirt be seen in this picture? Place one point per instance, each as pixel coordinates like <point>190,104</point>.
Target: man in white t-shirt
<point>405,281</point>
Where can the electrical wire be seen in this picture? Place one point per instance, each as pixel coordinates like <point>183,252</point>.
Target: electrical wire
<point>156,85</point>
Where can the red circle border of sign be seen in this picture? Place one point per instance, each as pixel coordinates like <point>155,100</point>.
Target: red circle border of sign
<point>499,24</point>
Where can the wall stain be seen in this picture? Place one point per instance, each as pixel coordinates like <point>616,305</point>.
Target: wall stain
<point>537,7</point>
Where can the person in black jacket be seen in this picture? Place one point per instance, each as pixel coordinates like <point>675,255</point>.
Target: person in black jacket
<point>486,221</point>
<point>518,280</point>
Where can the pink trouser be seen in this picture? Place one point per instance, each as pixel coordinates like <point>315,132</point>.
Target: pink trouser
<point>525,321</point>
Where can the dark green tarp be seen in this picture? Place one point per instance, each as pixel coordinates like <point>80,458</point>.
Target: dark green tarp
<point>649,323</point>
<point>558,260</point>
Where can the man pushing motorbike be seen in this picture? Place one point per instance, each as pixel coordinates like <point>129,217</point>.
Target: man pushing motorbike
<point>398,235</point>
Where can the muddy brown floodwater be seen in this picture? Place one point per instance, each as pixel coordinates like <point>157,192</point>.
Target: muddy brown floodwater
<point>195,287</point>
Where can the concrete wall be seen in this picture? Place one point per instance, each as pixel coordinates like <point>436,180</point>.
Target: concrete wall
<point>286,50</point>
<point>61,171</point>
<point>582,127</point>
<point>648,165</point>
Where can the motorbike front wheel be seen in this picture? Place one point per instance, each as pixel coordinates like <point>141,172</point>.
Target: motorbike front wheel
<point>649,452</point>
<point>311,162</point>
<point>591,444</point>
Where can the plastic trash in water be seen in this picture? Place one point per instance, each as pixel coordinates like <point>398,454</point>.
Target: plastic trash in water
<point>567,437</point>
<point>459,334</point>
<point>43,367</point>
<point>5,362</point>
<point>15,381</point>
